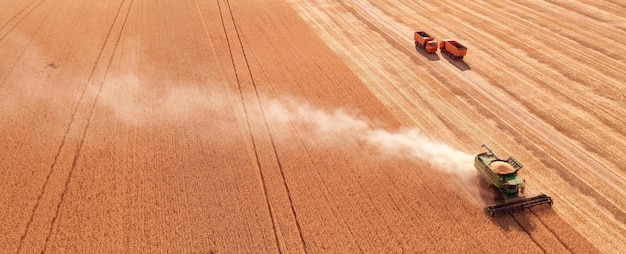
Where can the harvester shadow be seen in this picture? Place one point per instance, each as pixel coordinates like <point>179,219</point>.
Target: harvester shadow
<point>520,221</point>
<point>458,63</point>
<point>512,221</point>
<point>524,220</point>
<point>429,56</point>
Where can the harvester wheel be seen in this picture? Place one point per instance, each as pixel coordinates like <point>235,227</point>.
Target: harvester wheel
<point>495,194</point>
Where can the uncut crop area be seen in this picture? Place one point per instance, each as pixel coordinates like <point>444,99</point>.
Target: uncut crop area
<point>295,126</point>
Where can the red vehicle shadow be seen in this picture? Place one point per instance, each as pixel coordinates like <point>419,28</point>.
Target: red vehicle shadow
<point>457,62</point>
<point>429,56</point>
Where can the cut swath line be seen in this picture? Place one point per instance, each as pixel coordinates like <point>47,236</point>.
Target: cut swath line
<point>530,235</point>
<point>552,231</point>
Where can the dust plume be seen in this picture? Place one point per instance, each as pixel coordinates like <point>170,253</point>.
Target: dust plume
<point>131,102</point>
<point>348,128</point>
<point>343,127</point>
<point>136,103</point>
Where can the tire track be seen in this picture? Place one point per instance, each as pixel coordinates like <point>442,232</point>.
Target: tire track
<point>249,127</point>
<point>20,19</point>
<point>75,121</point>
<point>29,41</point>
<point>90,114</point>
<point>267,129</point>
<point>276,158</point>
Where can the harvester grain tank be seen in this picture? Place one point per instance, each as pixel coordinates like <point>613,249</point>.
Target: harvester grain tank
<point>453,49</point>
<point>425,41</point>
<point>505,186</point>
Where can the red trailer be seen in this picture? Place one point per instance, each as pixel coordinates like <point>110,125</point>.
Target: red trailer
<point>453,49</point>
<point>425,41</point>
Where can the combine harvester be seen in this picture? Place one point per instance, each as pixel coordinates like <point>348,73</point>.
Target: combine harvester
<point>505,186</point>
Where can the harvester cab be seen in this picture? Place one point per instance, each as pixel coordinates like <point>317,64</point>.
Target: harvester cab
<point>504,185</point>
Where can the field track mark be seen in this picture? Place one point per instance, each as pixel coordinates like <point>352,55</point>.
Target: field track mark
<point>67,131</point>
<point>56,157</point>
<point>254,146</point>
<point>272,143</point>
<point>90,114</point>
<point>278,162</point>
<point>20,19</point>
<point>29,40</point>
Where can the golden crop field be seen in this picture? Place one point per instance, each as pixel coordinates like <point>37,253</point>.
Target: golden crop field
<point>291,126</point>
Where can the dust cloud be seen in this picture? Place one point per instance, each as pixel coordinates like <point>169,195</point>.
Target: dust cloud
<point>343,127</point>
<point>340,127</point>
<point>348,128</point>
<point>24,75</point>
<point>136,103</point>
<point>131,102</point>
